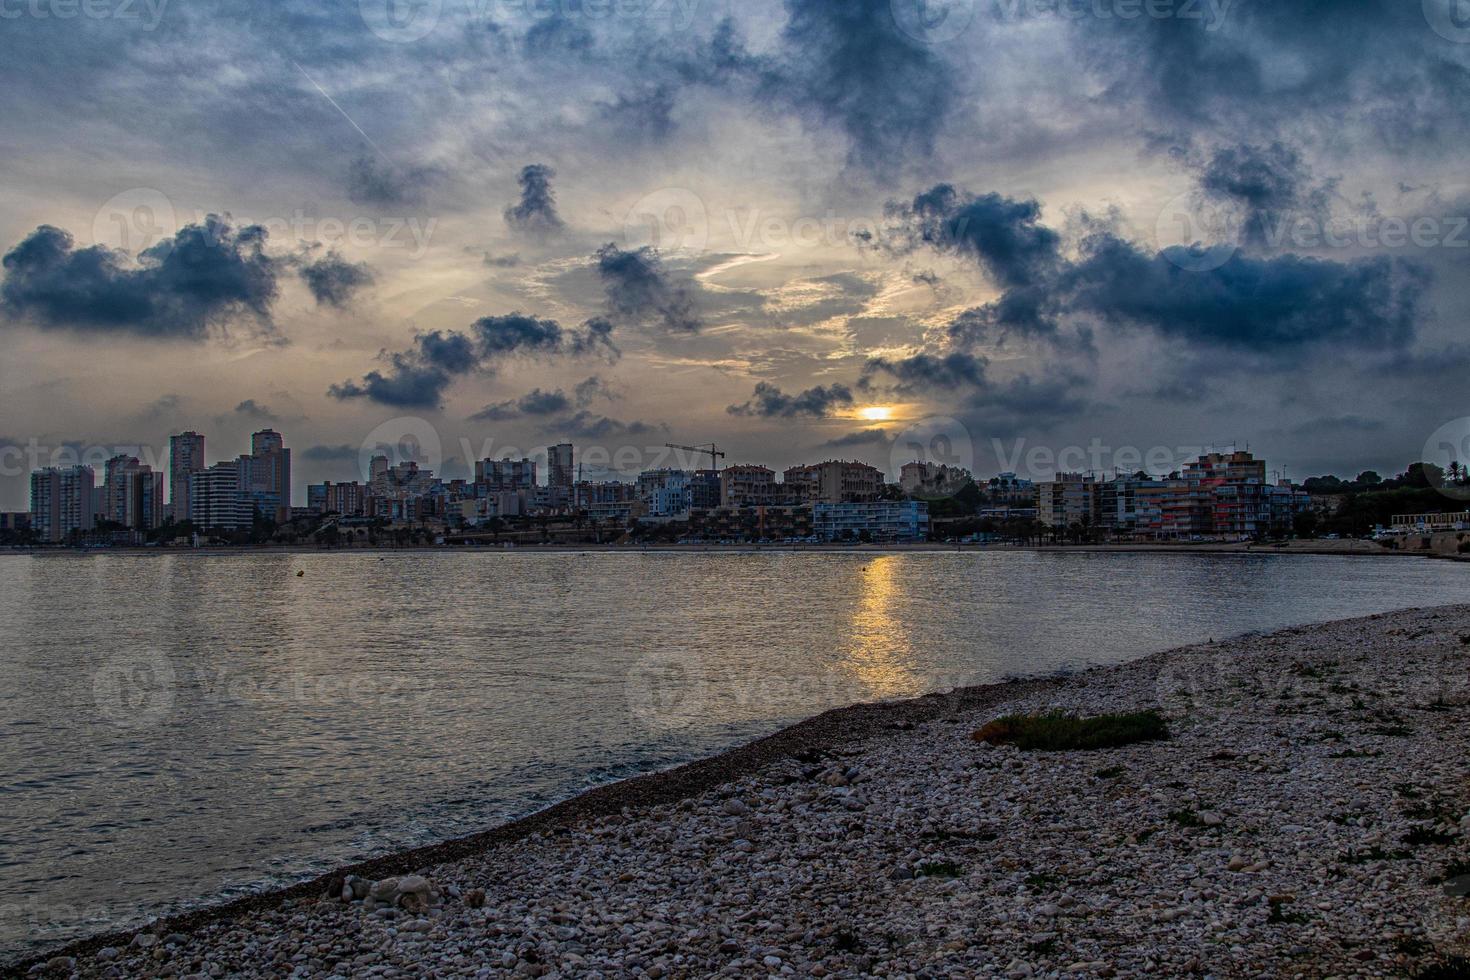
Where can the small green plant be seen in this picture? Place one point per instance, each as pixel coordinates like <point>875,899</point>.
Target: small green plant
<point>846,942</point>
<point>1355,754</point>
<point>1043,881</point>
<point>1428,837</point>
<point>1056,731</point>
<point>1446,968</point>
<point>1186,818</point>
<point>1458,868</point>
<point>1392,731</point>
<point>1111,772</point>
<point>1278,914</point>
<point>1410,946</point>
<point>937,869</point>
<point>1374,853</point>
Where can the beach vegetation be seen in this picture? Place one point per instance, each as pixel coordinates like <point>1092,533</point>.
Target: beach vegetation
<point>937,869</point>
<point>1056,731</point>
<point>1447,968</point>
<point>1428,836</point>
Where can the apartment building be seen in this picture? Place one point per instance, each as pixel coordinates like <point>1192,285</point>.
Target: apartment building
<point>62,502</point>
<point>832,482</point>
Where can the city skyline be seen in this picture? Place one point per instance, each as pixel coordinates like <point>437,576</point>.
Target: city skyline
<point>1095,459</point>
<point>803,224</point>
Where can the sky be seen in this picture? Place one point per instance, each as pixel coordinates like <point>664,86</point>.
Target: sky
<point>1013,234</point>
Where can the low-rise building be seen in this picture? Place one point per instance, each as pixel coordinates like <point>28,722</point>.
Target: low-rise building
<point>747,485</point>
<point>1066,500</point>
<point>832,482</point>
<point>877,520</point>
<point>343,499</point>
<point>758,523</point>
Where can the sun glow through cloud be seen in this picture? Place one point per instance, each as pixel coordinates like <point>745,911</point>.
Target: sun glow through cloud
<point>876,413</point>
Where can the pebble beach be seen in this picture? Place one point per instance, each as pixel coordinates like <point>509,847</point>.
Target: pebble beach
<point>1309,816</point>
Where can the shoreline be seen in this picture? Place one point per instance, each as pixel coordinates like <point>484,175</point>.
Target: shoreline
<point>1315,549</point>
<point>847,732</point>
<point>834,727</point>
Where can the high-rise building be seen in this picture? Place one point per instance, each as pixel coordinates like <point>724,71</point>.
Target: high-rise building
<point>62,502</point>
<point>145,509</point>
<point>216,501</point>
<point>559,471</point>
<point>498,475</point>
<point>115,474</point>
<point>266,475</point>
<point>185,457</point>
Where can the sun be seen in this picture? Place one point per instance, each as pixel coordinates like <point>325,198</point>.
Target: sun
<point>877,413</point>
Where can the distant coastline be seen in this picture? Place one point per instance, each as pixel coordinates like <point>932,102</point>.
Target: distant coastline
<point>1345,548</point>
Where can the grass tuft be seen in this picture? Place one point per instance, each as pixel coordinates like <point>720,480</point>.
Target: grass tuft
<point>1448,968</point>
<point>937,869</point>
<point>1056,731</point>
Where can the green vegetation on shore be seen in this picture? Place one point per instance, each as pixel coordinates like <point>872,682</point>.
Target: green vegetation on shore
<point>1056,731</point>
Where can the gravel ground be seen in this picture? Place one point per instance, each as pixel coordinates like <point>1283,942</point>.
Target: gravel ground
<point>1309,817</point>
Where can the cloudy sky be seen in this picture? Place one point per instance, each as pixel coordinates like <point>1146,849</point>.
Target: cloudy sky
<point>799,229</point>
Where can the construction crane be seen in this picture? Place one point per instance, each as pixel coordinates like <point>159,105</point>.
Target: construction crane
<point>711,450</point>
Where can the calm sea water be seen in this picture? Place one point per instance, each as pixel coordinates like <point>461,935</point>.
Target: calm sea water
<point>186,728</point>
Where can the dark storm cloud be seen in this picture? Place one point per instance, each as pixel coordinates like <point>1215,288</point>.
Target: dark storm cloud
<point>1270,185</point>
<point>850,64</point>
<point>1281,304</point>
<point>331,454</point>
<point>370,180</point>
<point>534,402</point>
<point>535,213</point>
<point>925,372</point>
<point>588,425</point>
<point>863,437</point>
<point>1318,66</point>
<point>1276,305</point>
<point>639,290</point>
<point>334,281</point>
<point>768,402</point>
<point>1337,425</point>
<point>997,406</point>
<point>252,409</point>
<point>419,376</point>
<point>1004,236</point>
<point>204,277</point>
